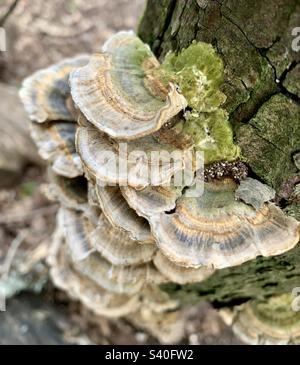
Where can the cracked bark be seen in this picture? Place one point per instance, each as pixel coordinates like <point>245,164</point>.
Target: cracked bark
<point>262,78</point>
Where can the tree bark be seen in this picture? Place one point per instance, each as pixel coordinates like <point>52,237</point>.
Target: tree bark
<point>262,75</point>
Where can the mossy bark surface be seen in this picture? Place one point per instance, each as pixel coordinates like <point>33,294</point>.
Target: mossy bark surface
<point>262,77</point>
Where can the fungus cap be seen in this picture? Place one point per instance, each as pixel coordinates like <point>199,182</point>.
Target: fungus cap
<point>270,321</point>
<point>77,231</point>
<point>178,274</point>
<point>117,247</point>
<point>98,300</point>
<point>56,143</point>
<point>255,193</point>
<point>217,230</point>
<point>111,93</point>
<point>71,193</point>
<point>120,215</point>
<point>116,279</point>
<point>152,199</point>
<point>138,163</point>
<point>45,93</point>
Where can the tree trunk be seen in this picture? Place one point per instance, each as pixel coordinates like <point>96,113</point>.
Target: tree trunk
<point>262,77</point>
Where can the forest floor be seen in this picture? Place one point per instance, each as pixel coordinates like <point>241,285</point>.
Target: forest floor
<point>38,34</point>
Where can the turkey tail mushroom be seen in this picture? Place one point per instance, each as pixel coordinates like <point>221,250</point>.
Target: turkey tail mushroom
<point>270,321</point>
<point>116,279</point>
<point>117,247</point>
<point>111,89</point>
<point>120,215</point>
<point>70,193</point>
<point>178,274</point>
<point>45,93</point>
<point>139,163</point>
<point>114,130</point>
<point>217,230</point>
<point>56,144</point>
<point>95,298</point>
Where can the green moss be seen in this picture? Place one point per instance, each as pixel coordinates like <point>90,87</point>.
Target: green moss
<point>199,73</point>
<point>213,135</point>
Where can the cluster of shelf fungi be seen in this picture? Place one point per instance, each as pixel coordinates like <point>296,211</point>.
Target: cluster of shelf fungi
<point>119,237</point>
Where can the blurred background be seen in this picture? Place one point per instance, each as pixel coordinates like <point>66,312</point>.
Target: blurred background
<point>37,35</point>
<point>41,33</point>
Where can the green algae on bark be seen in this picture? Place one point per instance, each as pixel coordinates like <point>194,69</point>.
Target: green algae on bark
<point>212,134</point>
<point>198,71</point>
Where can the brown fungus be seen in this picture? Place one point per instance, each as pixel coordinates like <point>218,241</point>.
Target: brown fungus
<point>120,215</point>
<point>45,93</point>
<point>179,274</point>
<point>216,230</point>
<point>56,144</point>
<point>270,321</point>
<point>138,163</point>
<point>111,93</point>
<point>70,193</point>
<point>117,247</point>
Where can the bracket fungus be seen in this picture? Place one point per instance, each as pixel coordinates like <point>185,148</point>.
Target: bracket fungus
<point>117,247</point>
<point>56,143</point>
<point>111,89</point>
<point>120,215</point>
<point>255,193</point>
<point>91,295</point>
<point>79,282</point>
<point>152,199</point>
<point>70,193</point>
<point>270,321</point>
<point>116,279</point>
<point>45,93</point>
<point>139,163</point>
<point>78,229</point>
<point>216,229</point>
<point>179,274</point>
<point>120,232</point>
<point>167,327</point>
